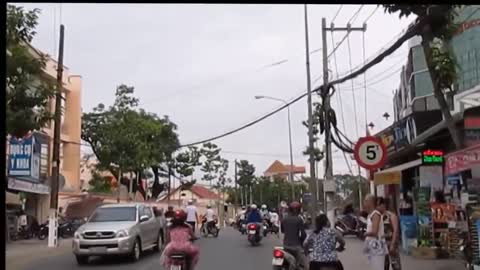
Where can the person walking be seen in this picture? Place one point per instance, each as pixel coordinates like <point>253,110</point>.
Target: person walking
<point>375,244</point>
<point>323,245</point>
<point>392,232</point>
<point>192,214</point>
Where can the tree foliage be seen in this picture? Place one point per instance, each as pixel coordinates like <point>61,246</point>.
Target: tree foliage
<point>128,137</point>
<point>27,90</point>
<point>436,34</point>
<point>246,173</point>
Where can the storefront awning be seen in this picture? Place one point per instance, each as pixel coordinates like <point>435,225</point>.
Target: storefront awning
<point>462,160</point>
<point>394,175</point>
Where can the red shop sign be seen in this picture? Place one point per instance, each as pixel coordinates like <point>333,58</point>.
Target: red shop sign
<point>462,160</point>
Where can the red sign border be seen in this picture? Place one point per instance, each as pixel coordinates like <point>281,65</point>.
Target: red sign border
<point>361,141</point>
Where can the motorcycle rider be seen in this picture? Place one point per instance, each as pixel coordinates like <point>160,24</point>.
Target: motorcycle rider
<point>275,220</point>
<point>192,214</point>
<point>169,213</point>
<point>293,229</point>
<point>241,216</point>
<point>210,217</point>
<point>179,239</point>
<point>255,217</point>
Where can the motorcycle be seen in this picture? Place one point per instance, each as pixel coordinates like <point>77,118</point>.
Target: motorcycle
<point>254,236</point>
<point>213,229</point>
<point>347,225</point>
<point>180,260</point>
<point>283,258</point>
<point>266,228</point>
<point>64,230</point>
<point>243,228</point>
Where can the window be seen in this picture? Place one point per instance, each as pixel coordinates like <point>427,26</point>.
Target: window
<point>147,212</point>
<point>113,214</point>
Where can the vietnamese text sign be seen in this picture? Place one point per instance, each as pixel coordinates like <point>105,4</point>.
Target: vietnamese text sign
<point>20,156</point>
<point>462,160</point>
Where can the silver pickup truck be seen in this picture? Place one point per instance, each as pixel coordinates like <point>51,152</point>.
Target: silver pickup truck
<point>117,229</point>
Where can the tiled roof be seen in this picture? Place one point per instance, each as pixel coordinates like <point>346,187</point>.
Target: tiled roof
<point>278,167</point>
<point>203,192</point>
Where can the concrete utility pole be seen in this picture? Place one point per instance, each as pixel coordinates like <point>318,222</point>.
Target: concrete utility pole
<point>328,142</point>
<point>53,218</point>
<point>312,183</point>
<point>236,189</point>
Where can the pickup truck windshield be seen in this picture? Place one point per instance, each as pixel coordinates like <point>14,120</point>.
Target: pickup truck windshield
<point>114,214</point>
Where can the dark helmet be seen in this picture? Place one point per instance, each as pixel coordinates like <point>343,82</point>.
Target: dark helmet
<point>295,207</point>
<point>180,216</point>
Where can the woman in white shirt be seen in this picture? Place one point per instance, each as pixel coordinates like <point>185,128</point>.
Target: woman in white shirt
<point>375,245</point>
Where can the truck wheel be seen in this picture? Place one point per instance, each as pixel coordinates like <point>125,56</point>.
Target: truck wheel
<point>136,251</point>
<point>81,260</point>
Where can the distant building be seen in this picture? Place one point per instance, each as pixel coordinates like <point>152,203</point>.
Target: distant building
<point>278,169</point>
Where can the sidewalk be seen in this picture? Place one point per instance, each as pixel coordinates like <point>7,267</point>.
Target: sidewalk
<point>15,252</point>
<point>352,258</point>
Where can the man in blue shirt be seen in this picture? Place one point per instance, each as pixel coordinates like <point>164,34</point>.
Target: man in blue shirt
<point>255,217</point>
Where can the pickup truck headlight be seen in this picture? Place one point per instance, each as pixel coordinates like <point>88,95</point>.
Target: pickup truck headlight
<point>77,235</point>
<point>122,233</point>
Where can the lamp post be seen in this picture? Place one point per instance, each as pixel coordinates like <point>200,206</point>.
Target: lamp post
<point>289,138</point>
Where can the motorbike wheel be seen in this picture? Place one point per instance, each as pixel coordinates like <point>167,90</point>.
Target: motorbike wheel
<point>42,234</point>
<point>204,231</point>
<point>214,232</point>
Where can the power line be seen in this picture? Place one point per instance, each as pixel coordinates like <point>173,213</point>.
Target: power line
<point>351,20</point>
<point>355,16</point>
<point>338,12</point>
<point>371,14</point>
<point>353,93</point>
<point>410,33</point>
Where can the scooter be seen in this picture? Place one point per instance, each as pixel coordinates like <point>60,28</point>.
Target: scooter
<point>283,258</point>
<point>65,230</point>
<point>213,229</point>
<point>180,260</point>
<point>254,236</point>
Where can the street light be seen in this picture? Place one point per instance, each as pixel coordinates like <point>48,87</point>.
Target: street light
<point>289,138</point>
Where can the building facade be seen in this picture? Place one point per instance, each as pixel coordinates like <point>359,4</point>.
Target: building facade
<point>33,192</point>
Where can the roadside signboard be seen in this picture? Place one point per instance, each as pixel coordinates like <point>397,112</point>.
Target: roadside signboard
<point>370,153</point>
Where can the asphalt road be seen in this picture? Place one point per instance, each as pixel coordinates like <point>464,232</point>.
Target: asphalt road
<point>229,251</point>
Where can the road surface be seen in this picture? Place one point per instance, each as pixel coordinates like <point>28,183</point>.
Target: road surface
<point>230,251</point>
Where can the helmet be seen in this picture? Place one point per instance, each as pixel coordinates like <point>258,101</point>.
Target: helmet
<point>254,206</point>
<point>243,207</point>
<point>264,206</point>
<point>295,206</point>
<point>190,202</point>
<point>179,216</point>
<point>209,206</point>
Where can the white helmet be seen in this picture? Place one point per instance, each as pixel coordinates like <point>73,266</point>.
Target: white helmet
<point>254,206</point>
<point>264,206</point>
<point>209,206</point>
<point>190,202</point>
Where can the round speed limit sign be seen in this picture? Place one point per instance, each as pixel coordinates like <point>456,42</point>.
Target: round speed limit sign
<point>370,153</point>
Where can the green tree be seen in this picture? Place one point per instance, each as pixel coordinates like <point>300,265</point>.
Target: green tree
<point>246,176</point>
<point>99,183</point>
<point>128,137</point>
<point>437,28</point>
<point>27,90</point>
<point>212,163</point>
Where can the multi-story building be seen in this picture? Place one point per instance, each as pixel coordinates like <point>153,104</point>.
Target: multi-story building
<point>36,187</point>
<point>420,131</point>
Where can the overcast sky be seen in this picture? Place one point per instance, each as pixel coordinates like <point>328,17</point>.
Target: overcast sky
<point>202,65</point>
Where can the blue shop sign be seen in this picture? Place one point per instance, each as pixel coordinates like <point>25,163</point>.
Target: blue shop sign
<point>24,158</point>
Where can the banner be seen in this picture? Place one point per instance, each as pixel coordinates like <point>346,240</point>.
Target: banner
<point>462,160</point>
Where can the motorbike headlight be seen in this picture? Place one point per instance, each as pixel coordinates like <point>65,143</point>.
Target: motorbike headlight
<point>77,235</point>
<point>122,233</point>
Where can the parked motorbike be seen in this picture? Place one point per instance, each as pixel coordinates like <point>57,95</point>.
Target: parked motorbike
<point>65,230</point>
<point>213,229</point>
<point>254,236</point>
<point>347,225</point>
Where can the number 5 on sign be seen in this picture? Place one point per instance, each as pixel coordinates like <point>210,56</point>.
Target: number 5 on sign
<point>370,153</point>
